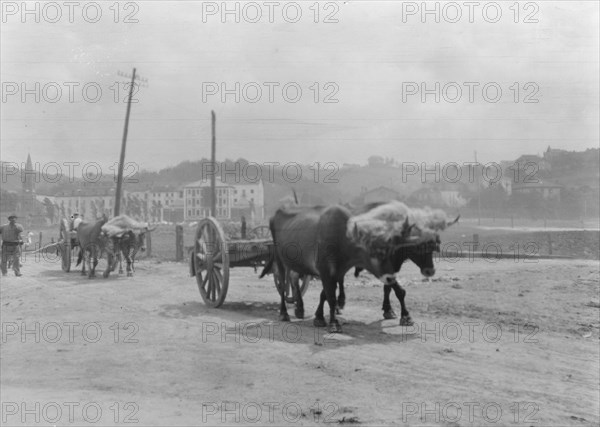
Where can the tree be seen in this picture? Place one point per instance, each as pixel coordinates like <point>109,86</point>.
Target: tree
<point>376,161</point>
<point>9,200</point>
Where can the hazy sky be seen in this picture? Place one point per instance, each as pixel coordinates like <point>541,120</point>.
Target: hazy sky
<point>372,57</point>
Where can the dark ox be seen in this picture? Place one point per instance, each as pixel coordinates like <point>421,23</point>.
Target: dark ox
<point>420,254</point>
<point>127,246</point>
<point>91,245</point>
<point>315,241</point>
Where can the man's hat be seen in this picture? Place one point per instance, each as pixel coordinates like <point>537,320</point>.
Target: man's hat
<point>12,216</point>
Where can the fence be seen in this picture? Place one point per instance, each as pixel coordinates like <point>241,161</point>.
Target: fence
<point>517,237</point>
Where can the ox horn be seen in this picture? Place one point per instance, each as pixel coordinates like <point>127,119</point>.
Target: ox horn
<point>448,224</point>
<point>406,229</point>
<point>355,232</point>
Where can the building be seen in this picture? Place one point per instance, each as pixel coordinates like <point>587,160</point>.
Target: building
<point>89,203</point>
<point>197,200</point>
<point>379,194</point>
<point>553,153</point>
<point>445,195</point>
<point>548,190</point>
<point>532,164</point>
<point>28,199</point>
<point>248,201</point>
<point>28,207</point>
<point>234,200</point>
<point>163,203</point>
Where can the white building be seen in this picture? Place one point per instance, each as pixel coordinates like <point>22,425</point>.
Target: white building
<point>234,200</point>
<point>197,200</point>
<point>88,203</point>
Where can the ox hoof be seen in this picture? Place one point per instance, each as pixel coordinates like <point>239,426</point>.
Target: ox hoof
<point>338,310</point>
<point>389,314</point>
<point>319,323</point>
<point>299,314</point>
<point>406,321</point>
<point>335,328</point>
<point>284,317</point>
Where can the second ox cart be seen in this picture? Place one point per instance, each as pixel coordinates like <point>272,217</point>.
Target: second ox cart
<point>213,254</point>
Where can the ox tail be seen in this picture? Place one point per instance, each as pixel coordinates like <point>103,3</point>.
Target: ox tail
<point>79,257</point>
<point>268,269</point>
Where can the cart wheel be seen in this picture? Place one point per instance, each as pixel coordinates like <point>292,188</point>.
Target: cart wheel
<point>66,252</point>
<point>260,232</point>
<point>290,276</point>
<point>211,256</point>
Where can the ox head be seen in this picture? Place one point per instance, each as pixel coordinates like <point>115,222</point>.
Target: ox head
<point>420,252</point>
<point>377,249</point>
<point>423,242</point>
<point>391,233</point>
<point>140,239</point>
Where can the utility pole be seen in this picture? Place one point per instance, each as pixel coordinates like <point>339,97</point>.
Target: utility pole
<point>478,195</point>
<point>213,191</point>
<point>122,158</point>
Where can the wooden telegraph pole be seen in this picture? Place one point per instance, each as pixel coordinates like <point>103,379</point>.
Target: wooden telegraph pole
<point>123,144</point>
<point>478,194</point>
<point>213,191</point>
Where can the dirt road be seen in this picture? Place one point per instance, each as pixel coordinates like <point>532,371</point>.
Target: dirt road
<point>504,343</point>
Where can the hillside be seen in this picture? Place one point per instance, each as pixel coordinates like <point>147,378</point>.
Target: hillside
<point>577,173</point>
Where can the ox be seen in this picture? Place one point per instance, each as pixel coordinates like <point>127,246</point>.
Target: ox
<point>328,241</point>
<point>325,242</point>
<point>91,244</point>
<point>126,237</point>
<point>421,254</point>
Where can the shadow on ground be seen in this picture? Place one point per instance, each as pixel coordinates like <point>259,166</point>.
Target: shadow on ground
<point>256,321</point>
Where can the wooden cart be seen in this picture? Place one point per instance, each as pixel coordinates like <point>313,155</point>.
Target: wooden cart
<point>213,255</point>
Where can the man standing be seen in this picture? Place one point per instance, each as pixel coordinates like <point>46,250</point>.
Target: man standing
<point>11,244</point>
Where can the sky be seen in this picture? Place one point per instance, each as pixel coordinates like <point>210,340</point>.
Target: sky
<point>380,65</point>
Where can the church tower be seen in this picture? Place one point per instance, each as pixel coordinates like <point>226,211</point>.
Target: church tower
<point>28,176</point>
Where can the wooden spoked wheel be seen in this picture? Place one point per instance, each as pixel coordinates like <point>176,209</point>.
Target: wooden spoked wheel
<point>260,232</point>
<point>211,257</point>
<point>66,253</point>
<point>290,277</point>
